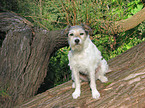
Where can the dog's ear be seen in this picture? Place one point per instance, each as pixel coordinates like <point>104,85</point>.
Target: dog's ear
<point>87,29</point>
<point>66,30</point>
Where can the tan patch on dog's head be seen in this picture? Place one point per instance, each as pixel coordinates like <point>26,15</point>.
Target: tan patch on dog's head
<point>85,27</point>
<point>77,36</point>
<point>77,31</point>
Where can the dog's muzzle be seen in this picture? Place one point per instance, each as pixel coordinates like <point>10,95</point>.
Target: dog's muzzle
<point>77,41</point>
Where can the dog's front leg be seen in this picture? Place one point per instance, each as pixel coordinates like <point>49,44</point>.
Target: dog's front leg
<point>95,93</point>
<point>77,91</point>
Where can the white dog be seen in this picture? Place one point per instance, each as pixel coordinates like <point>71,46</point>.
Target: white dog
<point>85,59</point>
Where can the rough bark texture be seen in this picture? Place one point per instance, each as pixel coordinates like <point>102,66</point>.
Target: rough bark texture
<point>24,57</point>
<point>125,90</point>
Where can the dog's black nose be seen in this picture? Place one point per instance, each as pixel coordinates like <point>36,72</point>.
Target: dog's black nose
<point>77,41</point>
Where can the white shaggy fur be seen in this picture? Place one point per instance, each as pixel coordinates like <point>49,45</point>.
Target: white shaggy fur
<point>85,58</point>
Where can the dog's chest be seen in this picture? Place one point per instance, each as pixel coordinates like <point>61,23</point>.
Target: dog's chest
<point>81,62</point>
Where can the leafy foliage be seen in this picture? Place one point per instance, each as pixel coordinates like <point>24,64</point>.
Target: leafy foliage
<point>61,62</point>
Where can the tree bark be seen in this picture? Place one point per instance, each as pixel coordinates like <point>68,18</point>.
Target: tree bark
<point>24,58</point>
<point>125,88</point>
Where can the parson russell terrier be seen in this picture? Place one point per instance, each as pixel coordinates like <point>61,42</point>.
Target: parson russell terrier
<point>84,59</point>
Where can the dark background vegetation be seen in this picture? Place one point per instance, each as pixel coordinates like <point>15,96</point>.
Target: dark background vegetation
<point>57,14</point>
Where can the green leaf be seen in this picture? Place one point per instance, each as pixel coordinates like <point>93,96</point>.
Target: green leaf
<point>137,9</point>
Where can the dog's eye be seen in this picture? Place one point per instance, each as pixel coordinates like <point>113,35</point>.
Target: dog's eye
<point>71,34</point>
<point>81,33</point>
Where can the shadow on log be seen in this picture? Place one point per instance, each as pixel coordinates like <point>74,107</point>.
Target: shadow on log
<point>125,88</point>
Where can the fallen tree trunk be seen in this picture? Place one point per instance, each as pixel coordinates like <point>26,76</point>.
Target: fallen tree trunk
<point>125,88</point>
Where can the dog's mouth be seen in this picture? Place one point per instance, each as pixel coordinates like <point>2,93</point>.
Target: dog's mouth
<point>77,44</point>
<point>76,47</point>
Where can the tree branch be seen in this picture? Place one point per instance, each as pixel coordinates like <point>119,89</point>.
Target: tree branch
<point>122,25</point>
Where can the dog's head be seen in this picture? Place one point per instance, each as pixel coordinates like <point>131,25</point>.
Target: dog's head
<point>77,36</point>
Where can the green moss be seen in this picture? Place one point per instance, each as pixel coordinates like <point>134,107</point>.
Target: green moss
<point>108,83</point>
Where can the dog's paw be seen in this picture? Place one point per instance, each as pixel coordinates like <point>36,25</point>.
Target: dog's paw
<point>73,85</point>
<point>95,94</point>
<point>103,79</point>
<point>76,94</point>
